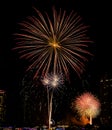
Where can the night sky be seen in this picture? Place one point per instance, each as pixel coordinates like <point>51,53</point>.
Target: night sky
<point>97,16</point>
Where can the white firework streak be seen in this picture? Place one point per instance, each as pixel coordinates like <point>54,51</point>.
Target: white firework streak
<point>52,81</point>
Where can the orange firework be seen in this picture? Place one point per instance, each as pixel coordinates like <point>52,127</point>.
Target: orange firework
<point>53,43</point>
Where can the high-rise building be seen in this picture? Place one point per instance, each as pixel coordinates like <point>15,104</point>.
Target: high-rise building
<point>106,99</point>
<point>2,106</point>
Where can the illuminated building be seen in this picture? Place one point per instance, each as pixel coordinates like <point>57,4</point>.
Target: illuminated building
<point>2,106</point>
<point>106,99</point>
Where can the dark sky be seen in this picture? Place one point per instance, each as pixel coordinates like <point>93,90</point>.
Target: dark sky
<point>12,12</point>
<point>97,15</point>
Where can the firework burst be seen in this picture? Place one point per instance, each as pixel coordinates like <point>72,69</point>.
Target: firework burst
<point>53,44</point>
<point>87,105</point>
<point>53,81</point>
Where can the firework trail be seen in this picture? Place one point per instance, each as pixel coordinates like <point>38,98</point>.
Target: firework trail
<point>87,105</point>
<point>53,82</point>
<point>53,43</point>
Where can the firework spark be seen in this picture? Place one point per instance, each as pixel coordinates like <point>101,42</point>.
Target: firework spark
<point>87,105</point>
<point>53,44</point>
<point>53,81</point>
